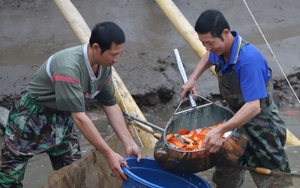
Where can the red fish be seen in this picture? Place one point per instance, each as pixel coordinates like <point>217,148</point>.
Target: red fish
<point>190,140</point>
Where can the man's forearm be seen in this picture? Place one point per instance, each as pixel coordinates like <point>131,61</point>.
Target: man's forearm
<point>88,129</point>
<point>116,119</point>
<point>245,114</point>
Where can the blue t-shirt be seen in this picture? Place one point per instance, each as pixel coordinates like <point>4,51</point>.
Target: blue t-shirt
<point>251,69</point>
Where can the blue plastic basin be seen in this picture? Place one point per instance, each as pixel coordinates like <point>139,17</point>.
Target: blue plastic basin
<point>147,173</point>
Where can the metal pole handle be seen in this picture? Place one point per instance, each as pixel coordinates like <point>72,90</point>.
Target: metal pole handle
<point>183,76</point>
<point>144,122</point>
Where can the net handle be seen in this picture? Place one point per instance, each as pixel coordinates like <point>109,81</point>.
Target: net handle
<point>183,76</point>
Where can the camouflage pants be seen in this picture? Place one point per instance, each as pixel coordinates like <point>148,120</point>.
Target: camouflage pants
<point>265,148</point>
<point>33,129</point>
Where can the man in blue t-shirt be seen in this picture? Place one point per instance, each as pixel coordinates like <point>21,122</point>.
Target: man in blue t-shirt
<point>245,82</point>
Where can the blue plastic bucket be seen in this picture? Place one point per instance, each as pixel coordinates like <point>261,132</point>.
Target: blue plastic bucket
<point>147,173</point>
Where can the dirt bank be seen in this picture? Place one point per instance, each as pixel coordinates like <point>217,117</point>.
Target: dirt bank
<point>32,30</point>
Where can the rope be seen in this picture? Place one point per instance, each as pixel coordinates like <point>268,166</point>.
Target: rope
<point>271,51</point>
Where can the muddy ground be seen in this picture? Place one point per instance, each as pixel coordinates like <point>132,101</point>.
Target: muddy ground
<point>31,30</point>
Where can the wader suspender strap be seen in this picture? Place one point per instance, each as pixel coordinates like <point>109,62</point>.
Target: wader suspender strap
<point>241,44</point>
<point>272,105</point>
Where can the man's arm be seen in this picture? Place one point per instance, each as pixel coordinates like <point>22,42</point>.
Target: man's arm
<point>213,139</point>
<point>86,126</point>
<point>88,129</point>
<point>191,84</point>
<point>116,119</point>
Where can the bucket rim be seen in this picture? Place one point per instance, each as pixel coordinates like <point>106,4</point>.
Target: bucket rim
<point>135,177</point>
<point>192,178</point>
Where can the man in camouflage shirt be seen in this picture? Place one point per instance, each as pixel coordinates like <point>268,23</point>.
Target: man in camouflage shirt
<point>43,118</point>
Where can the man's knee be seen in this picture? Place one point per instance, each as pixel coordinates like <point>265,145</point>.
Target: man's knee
<point>225,177</point>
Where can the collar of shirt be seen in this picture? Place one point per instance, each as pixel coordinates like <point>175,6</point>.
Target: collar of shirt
<point>225,66</point>
<point>88,65</point>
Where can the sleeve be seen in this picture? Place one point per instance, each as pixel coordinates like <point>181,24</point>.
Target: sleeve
<point>252,75</point>
<point>212,58</point>
<point>68,92</point>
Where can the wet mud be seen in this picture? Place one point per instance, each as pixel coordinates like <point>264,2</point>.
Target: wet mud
<point>32,30</point>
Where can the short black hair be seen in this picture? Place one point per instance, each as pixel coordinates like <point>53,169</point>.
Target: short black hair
<point>106,33</point>
<point>213,22</point>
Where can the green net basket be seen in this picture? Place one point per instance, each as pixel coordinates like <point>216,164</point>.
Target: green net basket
<point>194,161</point>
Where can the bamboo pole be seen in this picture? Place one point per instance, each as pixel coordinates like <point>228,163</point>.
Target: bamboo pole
<point>291,139</point>
<point>124,98</point>
<point>184,27</point>
<point>191,37</point>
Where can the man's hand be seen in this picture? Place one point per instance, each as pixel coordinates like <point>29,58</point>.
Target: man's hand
<point>213,140</point>
<point>190,85</point>
<point>134,150</point>
<point>115,161</point>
